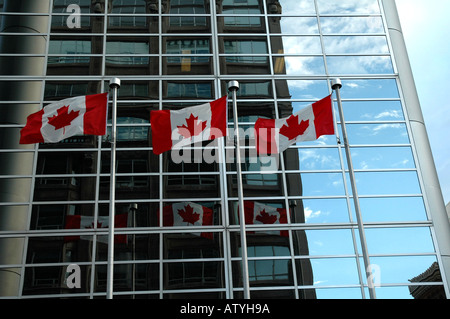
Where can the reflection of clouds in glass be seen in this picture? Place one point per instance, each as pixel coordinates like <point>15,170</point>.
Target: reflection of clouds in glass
<point>302,45</point>
<point>310,214</point>
<point>388,114</point>
<point>356,45</point>
<point>348,6</point>
<point>383,158</point>
<point>312,159</point>
<point>373,88</point>
<point>332,25</point>
<point>381,127</point>
<point>304,65</point>
<point>299,25</point>
<point>297,7</point>
<point>360,65</point>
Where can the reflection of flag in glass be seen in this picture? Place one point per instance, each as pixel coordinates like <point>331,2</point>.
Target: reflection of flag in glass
<point>177,128</point>
<point>308,124</point>
<point>87,222</point>
<point>188,214</point>
<point>66,118</point>
<point>258,213</point>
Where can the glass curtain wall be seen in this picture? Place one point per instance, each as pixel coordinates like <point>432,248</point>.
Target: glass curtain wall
<point>177,217</point>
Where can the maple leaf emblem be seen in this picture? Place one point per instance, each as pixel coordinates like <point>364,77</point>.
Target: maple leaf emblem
<point>188,214</point>
<point>194,127</point>
<point>294,129</point>
<point>265,218</point>
<point>63,119</point>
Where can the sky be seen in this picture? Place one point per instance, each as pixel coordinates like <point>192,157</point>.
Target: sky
<point>425,28</point>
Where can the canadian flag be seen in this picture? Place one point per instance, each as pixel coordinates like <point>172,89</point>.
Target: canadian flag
<point>177,128</point>
<point>66,118</point>
<point>258,213</point>
<point>188,214</point>
<point>87,222</point>
<point>308,124</point>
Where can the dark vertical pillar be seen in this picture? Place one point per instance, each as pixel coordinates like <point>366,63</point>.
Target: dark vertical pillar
<point>17,190</point>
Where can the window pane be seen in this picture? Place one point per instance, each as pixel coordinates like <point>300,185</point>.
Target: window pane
<point>382,157</point>
<point>384,88</point>
<point>334,271</point>
<point>322,184</point>
<point>355,45</point>
<point>393,209</point>
<point>333,25</point>
<point>373,111</point>
<point>298,7</point>
<point>386,133</point>
<point>348,6</point>
<point>387,183</point>
<point>296,45</point>
<point>318,211</point>
<point>327,242</point>
<point>410,240</point>
<point>299,25</point>
<point>360,65</point>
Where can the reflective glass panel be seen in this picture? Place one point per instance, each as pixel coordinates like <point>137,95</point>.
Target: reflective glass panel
<point>408,240</point>
<point>360,65</point>
<point>327,242</point>
<point>406,269</point>
<point>349,6</point>
<point>393,209</point>
<point>299,25</point>
<point>333,271</point>
<point>372,111</point>
<point>298,7</point>
<point>382,157</point>
<point>387,183</point>
<point>371,88</point>
<point>319,159</point>
<point>322,184</point>
<point>302,65</point>
<point>334,25</point>
<point>302,89</point>
<point>296,45</point>
<point>318,211</point>
<point>355,45</point>
<point>383,133</point>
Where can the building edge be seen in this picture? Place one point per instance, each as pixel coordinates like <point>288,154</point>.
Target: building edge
<point>430,180</point>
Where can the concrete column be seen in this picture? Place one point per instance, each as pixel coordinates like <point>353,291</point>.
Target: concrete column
<point>428,172</point>
<point>17,190</point>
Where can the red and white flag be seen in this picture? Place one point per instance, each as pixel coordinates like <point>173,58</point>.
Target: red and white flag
<point>308,124</point>
<point>188,214</point>
<point>87,222</point>
<point>258,213</point>
<point>66,118</point>
<point>177,128</point>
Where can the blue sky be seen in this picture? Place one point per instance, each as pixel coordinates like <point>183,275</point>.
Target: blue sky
<point>425,27</point>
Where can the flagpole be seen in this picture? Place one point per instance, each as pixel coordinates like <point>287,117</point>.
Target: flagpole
<point>114,84</point>
<point>336,86</point>
<point>233,86</point>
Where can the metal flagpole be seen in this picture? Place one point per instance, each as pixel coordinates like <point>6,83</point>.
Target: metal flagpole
<point>233,86</point>
<point>336,86</point>
<point>114,84</point>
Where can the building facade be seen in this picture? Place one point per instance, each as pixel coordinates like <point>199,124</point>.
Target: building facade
<point>170,54</point>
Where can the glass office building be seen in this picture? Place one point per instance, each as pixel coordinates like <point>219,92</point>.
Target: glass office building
<point>171,54</point>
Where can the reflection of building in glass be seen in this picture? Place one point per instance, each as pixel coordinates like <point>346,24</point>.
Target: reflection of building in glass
<point>177,233</point>
<point>432,274</point>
